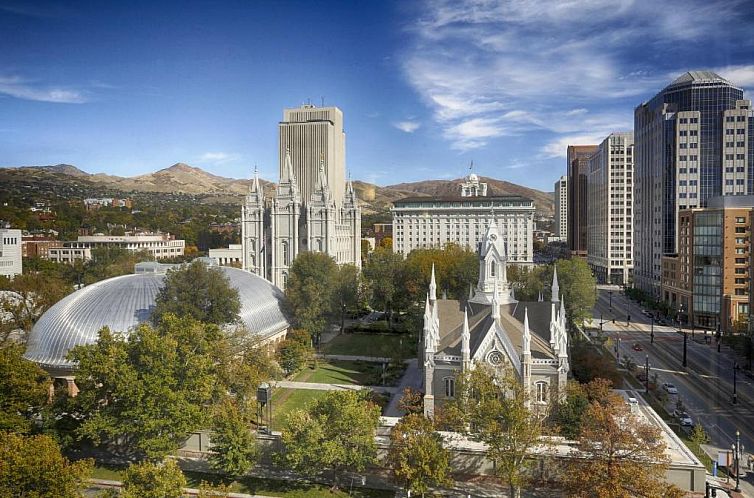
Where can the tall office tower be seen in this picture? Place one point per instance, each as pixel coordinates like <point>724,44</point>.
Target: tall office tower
<point>313,208</point>
<point>561,208</point>
<point>693,142</point>
<point>609,216</point>
<point>314,134</point>
<point>578,170</point>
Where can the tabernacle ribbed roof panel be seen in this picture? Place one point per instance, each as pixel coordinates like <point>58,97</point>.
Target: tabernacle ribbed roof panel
<point>121,303</point>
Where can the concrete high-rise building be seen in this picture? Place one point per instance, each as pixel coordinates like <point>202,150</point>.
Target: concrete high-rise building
<point>314,136</point>
<point>561,208</point>
<point>693,142</point>
<point>577,157</point>
<point>609,209</point>
<point>433,222</point>
<point>313,209</point>
<point>11,262</point>
<point>707,281</point>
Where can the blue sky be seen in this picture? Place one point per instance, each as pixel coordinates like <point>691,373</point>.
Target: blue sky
<point>131,87</point>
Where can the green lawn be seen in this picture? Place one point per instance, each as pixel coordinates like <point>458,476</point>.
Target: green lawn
<point>285,489</point>
<point>342,372</point>
<point>385,345</point>
<point>253,485</point>
<point>286,400</point>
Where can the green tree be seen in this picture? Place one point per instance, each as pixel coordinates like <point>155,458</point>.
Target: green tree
<point>417,456</point>
<point>569,414</point>
<point>24,389</point>
<point>699,435</point>
<point>588,363</point>
<point>153,480</point>
<point>383,273</point>
<point>456,268</point>
<point>347,292</point>
<point>578,287</point>
<point>234,445</point>
<point>295,351</point>
<point>335,433</point>
<point>198,291</point>
<point>108,262</point>
<point>144,395</point>
<point>622,456</point>
<point>310,290</point>
<point>32,466</point>
<point>31,295</point>
<point>494,407</point>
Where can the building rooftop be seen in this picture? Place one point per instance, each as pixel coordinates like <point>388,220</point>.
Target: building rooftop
<point>458,198</point>
<point>121,303</point>
<point>698,77</point>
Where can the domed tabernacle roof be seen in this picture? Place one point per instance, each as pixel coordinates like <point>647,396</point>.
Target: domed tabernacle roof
<point>121,303</point>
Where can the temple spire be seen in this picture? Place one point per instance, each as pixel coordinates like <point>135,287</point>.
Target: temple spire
<point>288,175</point>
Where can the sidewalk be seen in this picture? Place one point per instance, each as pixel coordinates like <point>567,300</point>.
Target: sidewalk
<point>316,386</point>
<point>411,378</point>
<point>350,357</point>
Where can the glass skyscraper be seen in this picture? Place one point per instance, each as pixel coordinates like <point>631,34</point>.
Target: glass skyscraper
<point>693,142</point>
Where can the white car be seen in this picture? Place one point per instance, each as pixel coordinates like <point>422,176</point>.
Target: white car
<point>683,418</point>
<point>669,388</point>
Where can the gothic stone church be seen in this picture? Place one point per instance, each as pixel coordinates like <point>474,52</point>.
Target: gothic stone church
<point>492,327</point>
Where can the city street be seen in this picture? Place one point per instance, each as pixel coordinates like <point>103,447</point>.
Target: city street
<point>705,385</point>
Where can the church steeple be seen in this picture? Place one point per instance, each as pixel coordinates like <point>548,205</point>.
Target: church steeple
<point>465,341</point>
<point>526,341</point>
<point>555,296</point>
<point>495,304</point>
<point>432,286</point>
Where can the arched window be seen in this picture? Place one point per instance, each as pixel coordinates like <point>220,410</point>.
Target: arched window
<point>450,387</point>
<point>319,245</point>
<point>286,253</point>
<point>541,391</point>
<point>285,279</point>
<point>492,269</point>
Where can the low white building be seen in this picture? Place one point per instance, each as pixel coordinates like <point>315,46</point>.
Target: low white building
<point>159,245</point>
<point>11,263</point>
<point>69,254</point>
<point>433,222</point>
<point>228,256</point>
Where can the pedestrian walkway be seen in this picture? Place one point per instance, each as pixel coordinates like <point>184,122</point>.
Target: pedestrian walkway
<point>349,357</point>
<point>411,378</point>
<point>318,386</point>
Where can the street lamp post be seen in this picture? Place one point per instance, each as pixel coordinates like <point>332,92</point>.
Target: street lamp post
<point>610,293</point>
<point>652,331</point>
<point>735,396</point>
<point>685,342</point>
<point>601,322</point>
<point>737,456</point>
<point>646,373</point>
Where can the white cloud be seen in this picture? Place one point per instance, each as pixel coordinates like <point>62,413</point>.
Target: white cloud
<point>407,126</point>
<point>23,89</point>
<point>742,75</point>
<point>219,157</point>
<point>493,68</point>
<point>558,146</point>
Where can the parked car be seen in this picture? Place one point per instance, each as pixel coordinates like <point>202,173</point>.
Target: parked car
<point>669,388</point>
<point>637,347</point>
<point>683,418</point>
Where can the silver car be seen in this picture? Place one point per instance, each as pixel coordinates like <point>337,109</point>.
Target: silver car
<point>669,388</point>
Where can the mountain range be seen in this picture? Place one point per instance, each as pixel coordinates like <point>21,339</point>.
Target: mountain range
<point>182,178</point>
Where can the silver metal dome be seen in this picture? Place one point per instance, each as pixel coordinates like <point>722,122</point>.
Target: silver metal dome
<point>121,303</point>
